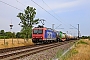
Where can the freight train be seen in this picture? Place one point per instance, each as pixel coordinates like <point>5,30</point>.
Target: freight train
<point>42,34</point>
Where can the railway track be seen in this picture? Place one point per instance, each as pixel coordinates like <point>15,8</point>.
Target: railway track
<point>16,53</point>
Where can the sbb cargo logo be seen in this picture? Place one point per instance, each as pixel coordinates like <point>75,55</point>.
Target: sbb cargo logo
<point>49,35</point>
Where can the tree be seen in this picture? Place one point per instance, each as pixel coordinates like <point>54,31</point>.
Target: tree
<point>84,37</point>
<point>8,34</point>
<point>27,20</point>
<point>2,32</point>
<point>18,35</point>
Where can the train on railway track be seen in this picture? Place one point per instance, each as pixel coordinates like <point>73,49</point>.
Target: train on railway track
<point>42,34</point>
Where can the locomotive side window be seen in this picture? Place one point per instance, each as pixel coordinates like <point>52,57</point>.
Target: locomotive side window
<point>37,31</point>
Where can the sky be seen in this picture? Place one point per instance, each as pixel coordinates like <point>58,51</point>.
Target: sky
<point>60,12</point>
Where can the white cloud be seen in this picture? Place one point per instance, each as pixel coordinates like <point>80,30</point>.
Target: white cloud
<point>70,4</point>
<point>67,6</point>
<point>64,5</point>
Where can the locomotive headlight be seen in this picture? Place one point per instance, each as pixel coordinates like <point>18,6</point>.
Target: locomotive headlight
<point>41,37</point>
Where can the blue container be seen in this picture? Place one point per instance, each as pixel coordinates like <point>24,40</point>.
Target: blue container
<point>49,34</point>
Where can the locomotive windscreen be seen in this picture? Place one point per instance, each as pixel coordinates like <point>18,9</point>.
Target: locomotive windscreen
<point>37,31</point>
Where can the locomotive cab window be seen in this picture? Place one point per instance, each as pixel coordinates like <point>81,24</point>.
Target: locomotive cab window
<point>37,31</point>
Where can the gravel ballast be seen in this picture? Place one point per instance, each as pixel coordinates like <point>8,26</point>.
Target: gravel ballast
<point>49,54</point>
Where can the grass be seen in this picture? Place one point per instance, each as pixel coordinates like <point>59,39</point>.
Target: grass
<point>82,42</point>
<point>80,52</point>
<point>59,53</point>
<point>69,54</point>
<point>16,43</point>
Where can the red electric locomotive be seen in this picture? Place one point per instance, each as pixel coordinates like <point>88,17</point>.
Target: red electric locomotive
<point>37,34</point>
<point>41,34</point>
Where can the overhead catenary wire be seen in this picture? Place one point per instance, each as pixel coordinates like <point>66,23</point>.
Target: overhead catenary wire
<point>74,27</point>
<point>11,5</point>
<point>58,26</point>
<point>52,11</point>
<point>50,8</point>
<point>25,5</point>
<point>43,8</point>
<point>56,14</point>
<point>49,12</point>
<point>16,7</point>
<point>46,11</point>
<point>20,3</point>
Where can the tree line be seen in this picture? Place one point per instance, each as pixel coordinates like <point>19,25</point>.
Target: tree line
<point>85,37</point>
<point>23,35</point>
<point>8,35</point>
